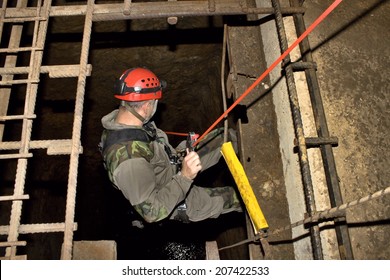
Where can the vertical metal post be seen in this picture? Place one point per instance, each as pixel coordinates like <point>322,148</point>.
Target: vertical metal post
<point>10,60</point>
<point>40,29</point>
<point>76,135</point>
<point>303,157</point>
<point>322,130</point>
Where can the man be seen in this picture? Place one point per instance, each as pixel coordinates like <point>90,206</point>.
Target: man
<point>147,169</point>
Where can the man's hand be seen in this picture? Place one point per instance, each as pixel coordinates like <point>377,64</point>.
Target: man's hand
<point>191,165</point>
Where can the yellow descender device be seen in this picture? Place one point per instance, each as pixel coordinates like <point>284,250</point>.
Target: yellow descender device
<point>252,206</point>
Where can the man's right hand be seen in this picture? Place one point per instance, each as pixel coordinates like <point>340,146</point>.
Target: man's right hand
<point>191,165</point>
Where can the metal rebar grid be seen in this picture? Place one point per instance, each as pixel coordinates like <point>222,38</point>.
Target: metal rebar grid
<point>20,150</point>
<point>39,36</point>
<point>10,60</point>
<point>298,126</point>
<point>341,228</point>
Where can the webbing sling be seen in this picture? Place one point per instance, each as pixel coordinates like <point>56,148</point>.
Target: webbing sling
<point>124,135</point>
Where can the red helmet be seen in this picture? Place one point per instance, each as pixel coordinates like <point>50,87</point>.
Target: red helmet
<point>138,84</point>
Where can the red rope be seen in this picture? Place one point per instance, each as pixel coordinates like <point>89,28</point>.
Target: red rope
<point>176,133</point>
<point>303,36</point>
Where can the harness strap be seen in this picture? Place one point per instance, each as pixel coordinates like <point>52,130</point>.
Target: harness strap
<point>134,112</point>
<point>145,134</point>
<point>124,135</point>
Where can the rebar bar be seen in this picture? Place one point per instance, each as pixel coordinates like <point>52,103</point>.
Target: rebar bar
<point>10,60</point>
<point>54,71</point>
<point>106,12</point>
<point>319,216</point>
<point>298,126</point>
<point>38,228</point>
<point>323,132</point>
<point>76,135</point>
<point>223,86</point>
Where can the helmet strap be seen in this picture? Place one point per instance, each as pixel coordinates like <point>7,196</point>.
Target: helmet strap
<point>133,111</point>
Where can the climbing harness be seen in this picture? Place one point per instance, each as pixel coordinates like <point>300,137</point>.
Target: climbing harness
<point>181,215</point>
<point>192,137</point>
<point>180,154</point>
<point>125,135</point>
<point>145,134</point>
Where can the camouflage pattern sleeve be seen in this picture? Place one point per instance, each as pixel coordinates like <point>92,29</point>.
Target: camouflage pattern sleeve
<point>137,181</point>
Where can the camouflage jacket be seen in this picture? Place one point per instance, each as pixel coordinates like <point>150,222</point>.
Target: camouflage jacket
<point>143,172</point>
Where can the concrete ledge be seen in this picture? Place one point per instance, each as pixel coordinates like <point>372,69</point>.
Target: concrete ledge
<point>212,252</point>
<point>94,250</point>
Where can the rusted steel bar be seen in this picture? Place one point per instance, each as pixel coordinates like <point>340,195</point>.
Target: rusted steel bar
<point>342,233</point>
<point>17,117</point>
<point>22,49</point>
<point>2,10</point>
<point>13,243</point>
<point>38,228</point>
<point>22,156</point>
<point>18,82</point>
<point>181,10</point>
<point>22,19</point>
<point>54,71</point>
<point>298,126</point>
<point>14,197</point>
<point>10,60</point>
<point>66,253</point>
<point>301,66</point>
<point>18,257</point>
<point>317,141</point>
<point>105,12</point>
<point>37,144</point>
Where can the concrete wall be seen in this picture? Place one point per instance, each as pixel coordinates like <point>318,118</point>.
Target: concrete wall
<point>350,48</point>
